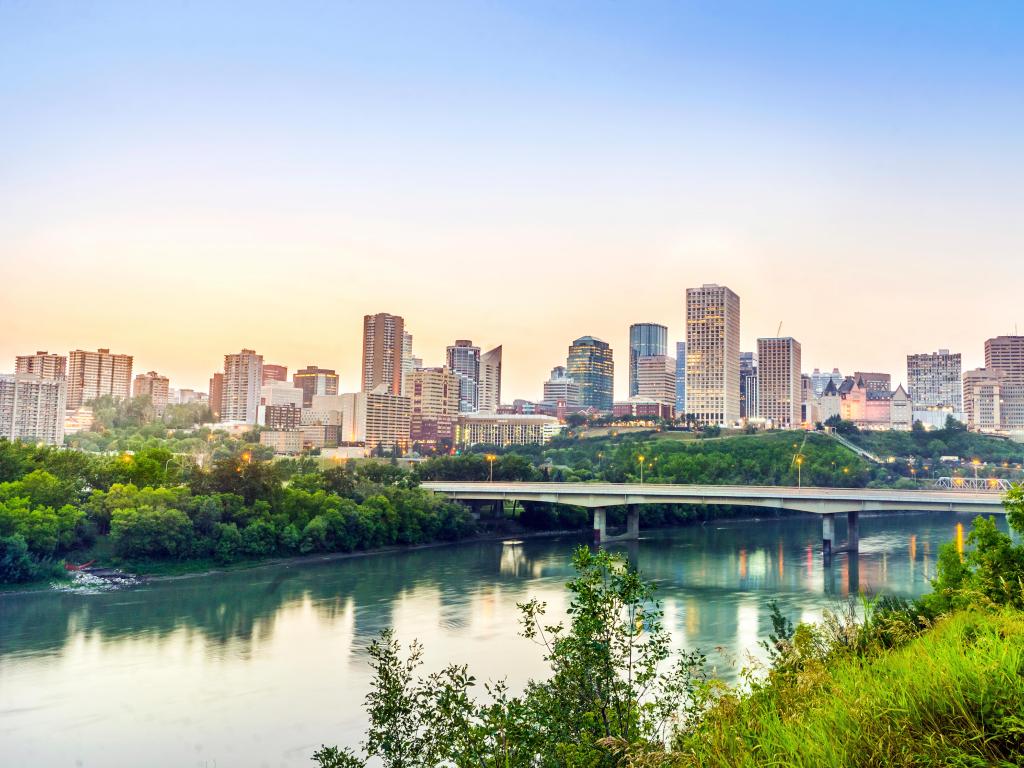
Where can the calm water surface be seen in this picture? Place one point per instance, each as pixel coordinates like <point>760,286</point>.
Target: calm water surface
<point>258,668</point>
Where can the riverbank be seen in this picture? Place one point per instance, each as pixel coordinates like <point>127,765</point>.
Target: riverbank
<point>166,570</point>
<point>161,571</point>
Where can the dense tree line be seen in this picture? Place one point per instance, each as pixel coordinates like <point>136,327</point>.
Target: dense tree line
<point>763,459</point>
<point>56,502</point>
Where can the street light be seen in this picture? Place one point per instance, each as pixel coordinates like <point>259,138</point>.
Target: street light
<point>641,459</point>
<point>490,466</point>
<point>799,465</point>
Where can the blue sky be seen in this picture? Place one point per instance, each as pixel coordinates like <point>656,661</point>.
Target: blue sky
<point>263,174</point>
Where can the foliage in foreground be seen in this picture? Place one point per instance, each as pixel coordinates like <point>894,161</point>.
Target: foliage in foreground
<point>934,683</point>
<point>614,675</point>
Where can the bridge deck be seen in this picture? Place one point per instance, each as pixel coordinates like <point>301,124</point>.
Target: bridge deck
<point>815,500</point>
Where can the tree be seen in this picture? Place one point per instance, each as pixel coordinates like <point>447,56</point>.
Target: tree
<point>615,681</point>
<point>16,565</point>
<point>150,533</point>
<point>953,425</point>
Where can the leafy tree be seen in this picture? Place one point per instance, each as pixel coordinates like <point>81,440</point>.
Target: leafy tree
<point>228,543</point>
<point>16,565</point>
<point>147,532</point>
<point>259,538</point>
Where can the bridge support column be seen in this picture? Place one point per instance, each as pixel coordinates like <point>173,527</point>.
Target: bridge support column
<point>853,531</point>
<point>633,522</point>
<point>600,532</point>
<point>828,534</point>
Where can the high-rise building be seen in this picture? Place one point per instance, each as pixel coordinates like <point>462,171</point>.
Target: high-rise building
<point>983,397</point>
<point>216,397</point>
<point>820,380</point>
<point>32,408</point>
<point>680,378</point>
<point>490,381</point>
<point>96,374</point>
<point>645,340</point>
<point>408,362</point>
<point>778,381</point>
<point>561,390</point>
<point>591,365</point>
<point>243,377</point>
<point>383,337</point>
<point>42,364</point>
<point>272,372</point>
<point>379,420</point>
<point>313,380</point>
<point>748,385</point>
<point>713,354</point>
<point>935,381</point>
<point>155,387</point>
<point>435,405</point>
<point>873,381</point>
<point>464,359</point>
<point>1005,353</point>
<point>656,379</point>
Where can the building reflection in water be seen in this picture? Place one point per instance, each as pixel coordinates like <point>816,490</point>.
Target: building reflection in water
<point>960,538</point>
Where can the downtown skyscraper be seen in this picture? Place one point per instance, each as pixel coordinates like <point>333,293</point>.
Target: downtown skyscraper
<point>463,358</point>
<point>243,378</point>
<point>645,340</point>
<point>778,381</point>
<point>934,380</point>
<point>590,364</point>
<point>95,374</point>
<point>713,354</point>
<point>383,339</point>
<point>489,397</point>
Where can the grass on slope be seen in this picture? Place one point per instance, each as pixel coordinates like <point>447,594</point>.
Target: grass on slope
<point>953,696</point>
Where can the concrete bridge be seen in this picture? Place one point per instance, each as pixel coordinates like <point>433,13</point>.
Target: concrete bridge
<point>826,502</point>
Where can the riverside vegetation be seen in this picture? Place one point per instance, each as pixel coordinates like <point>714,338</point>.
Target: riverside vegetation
<point>144,508</point>
<point>130,495</point>
<point>935,682</point>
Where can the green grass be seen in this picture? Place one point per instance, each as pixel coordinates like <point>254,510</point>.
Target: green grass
<point>952,697</point>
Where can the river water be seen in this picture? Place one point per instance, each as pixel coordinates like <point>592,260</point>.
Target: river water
<point>259,667</point>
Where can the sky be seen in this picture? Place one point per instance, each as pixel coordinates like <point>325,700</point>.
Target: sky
<point>179,180</point>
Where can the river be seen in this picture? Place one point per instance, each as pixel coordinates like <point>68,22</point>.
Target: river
<point>259,667</point>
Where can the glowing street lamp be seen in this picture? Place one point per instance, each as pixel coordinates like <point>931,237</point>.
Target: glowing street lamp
<point>640,458</point>
<point>799,466</point>
<point>490,466</point>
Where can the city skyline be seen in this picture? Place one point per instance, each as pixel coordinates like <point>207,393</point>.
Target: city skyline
<point>974,357</point>
<point>852,172</point>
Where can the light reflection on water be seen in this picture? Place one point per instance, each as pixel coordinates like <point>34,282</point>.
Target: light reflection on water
<point>257,668</point>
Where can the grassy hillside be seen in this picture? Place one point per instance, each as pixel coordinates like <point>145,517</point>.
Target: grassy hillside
<point>953,696</point>
<point>767,458</point>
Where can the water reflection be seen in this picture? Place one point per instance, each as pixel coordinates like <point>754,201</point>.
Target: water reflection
<point>259,667</point>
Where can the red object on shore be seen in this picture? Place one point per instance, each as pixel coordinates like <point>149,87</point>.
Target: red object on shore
<point>73,567</point>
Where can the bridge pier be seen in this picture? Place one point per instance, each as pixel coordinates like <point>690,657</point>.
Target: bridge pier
<point>853,531</point>
<point>828,534</point>
<point>632,522</point>
<point>601,525</point>
<point>600,531</point>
